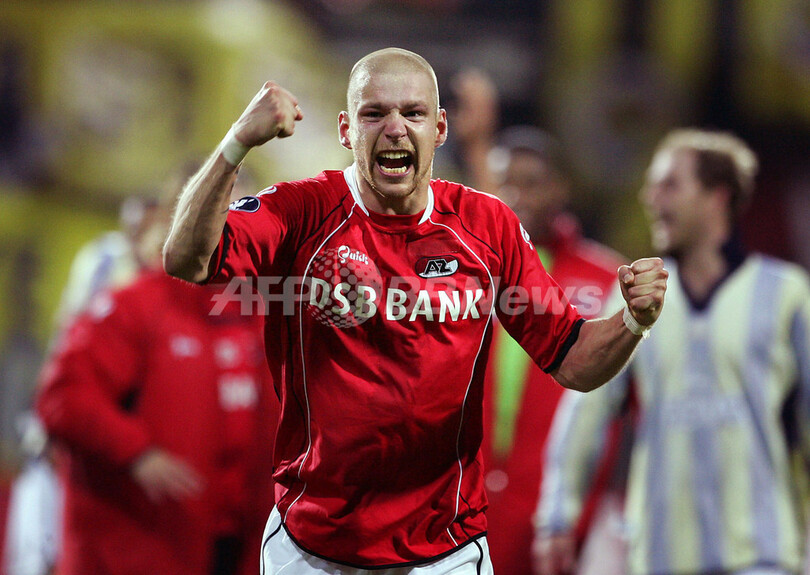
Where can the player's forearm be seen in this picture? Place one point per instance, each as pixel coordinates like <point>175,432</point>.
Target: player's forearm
<point>199,219</point>
<point>603,348</point>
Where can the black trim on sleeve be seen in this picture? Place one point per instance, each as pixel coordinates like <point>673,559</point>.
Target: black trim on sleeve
<point>566,346</point>
<point>223,253</point>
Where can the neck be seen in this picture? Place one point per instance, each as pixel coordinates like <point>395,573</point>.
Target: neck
<point>401,206</point>
<point>701,270</point>
<point>704,265</point>
<point>406,204</point>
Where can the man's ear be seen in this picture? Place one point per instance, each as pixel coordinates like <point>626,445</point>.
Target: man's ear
<point>343,130</point>
<point>441,128</point>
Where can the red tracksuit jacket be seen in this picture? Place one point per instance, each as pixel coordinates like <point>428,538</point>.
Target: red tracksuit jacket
<point>149,366</point>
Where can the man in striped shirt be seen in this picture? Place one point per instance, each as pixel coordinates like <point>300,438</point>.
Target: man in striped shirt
<point>723,386</point>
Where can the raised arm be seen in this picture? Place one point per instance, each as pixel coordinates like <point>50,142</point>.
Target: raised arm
<point>203,205</point>
<point>604,346</point>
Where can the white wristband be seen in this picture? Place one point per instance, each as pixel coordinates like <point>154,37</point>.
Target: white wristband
<point>635,327</point>
<point>232,149</point>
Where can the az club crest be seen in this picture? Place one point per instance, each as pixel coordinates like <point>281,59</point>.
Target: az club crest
<point>436,266</point>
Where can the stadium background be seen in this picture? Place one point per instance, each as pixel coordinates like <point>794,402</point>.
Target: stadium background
<point>100,100</point>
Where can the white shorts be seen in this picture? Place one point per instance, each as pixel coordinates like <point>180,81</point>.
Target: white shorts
<point>281,556</point>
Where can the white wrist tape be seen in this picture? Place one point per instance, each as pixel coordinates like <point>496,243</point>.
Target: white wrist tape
<point>232,149</point>
<point>635,327</point>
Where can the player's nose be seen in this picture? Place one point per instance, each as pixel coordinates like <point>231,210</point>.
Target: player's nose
<point>395,126</point>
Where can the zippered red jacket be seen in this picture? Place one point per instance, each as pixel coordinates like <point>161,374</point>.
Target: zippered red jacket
<point>150,366</point>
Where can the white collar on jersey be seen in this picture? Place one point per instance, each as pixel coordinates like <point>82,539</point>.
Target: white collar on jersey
<point>350,174</point>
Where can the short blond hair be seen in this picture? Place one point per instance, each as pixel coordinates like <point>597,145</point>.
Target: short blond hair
<point>723,159</point>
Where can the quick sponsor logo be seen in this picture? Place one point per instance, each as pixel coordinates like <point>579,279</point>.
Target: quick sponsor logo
<point>436,266</point>
<point>345,253</point>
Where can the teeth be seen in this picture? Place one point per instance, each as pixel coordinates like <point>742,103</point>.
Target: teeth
<point>400,170</point>
<point>394,155</point>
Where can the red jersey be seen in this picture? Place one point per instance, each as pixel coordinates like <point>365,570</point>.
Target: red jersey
<point>520,400</point>
<point>381,356</point>
<point>150,366</point>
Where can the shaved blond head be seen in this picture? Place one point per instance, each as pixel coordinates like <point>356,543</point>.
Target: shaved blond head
<point>386,61</point>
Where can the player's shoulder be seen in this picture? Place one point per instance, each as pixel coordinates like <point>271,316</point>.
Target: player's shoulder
<point>327,188</point>
<point>776,267</point>
<point>478,215</point>
<point>466,201</point>
<point>327,183</point>
<point>773,270</point>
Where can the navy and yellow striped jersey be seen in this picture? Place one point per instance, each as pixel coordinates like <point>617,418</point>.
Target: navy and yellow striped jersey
<point>724,396</point>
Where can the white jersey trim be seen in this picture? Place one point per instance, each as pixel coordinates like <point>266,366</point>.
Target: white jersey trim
<point>475,363</point>
<point>350,174</point>
<point>303,358</point>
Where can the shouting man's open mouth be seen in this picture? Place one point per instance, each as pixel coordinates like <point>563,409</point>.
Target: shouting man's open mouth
<point>394,162</point>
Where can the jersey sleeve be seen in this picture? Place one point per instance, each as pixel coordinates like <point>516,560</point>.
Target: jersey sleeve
<point>255,232</point>
<point>91,379</point>
<point>532,307</point>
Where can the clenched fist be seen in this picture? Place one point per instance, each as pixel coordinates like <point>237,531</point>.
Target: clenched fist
<point>644,283</point>
<point>272,113</point>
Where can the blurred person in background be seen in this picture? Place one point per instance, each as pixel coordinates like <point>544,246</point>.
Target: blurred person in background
<point>723,387</point>
<point>526,168</point>
<point>475,112</point>
<point>33,522</point>
<point>113,259</point>
<point>107,262</point>
<point>377,461</point>
<point>161,414</point>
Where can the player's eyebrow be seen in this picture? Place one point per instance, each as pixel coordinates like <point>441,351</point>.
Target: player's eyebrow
<point>410,105</point>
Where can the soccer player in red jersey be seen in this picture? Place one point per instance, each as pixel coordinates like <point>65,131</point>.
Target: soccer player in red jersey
<point>380,354</point>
